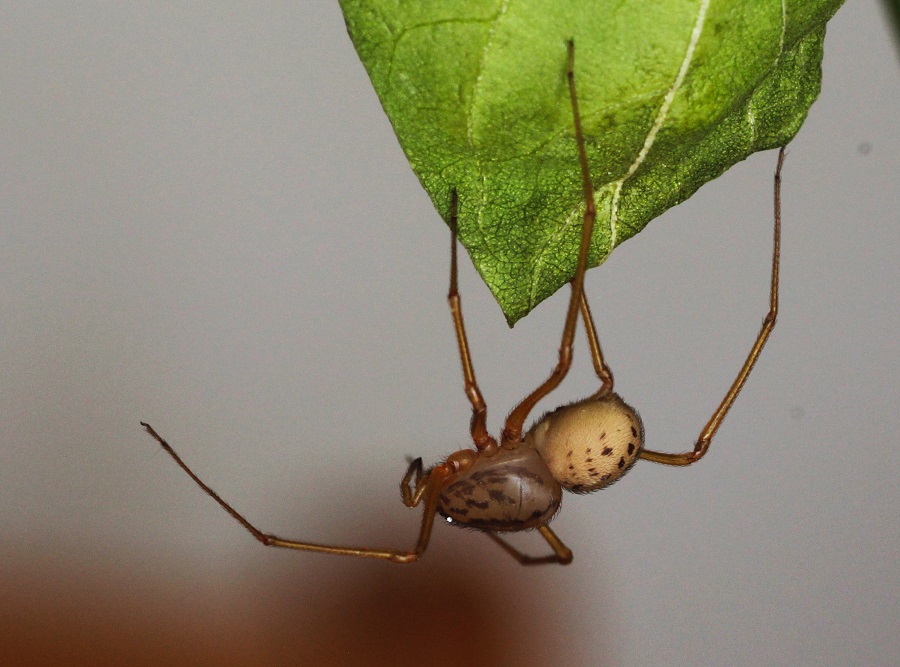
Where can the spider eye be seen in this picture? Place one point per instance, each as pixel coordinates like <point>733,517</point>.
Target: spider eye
<point>449,519</point>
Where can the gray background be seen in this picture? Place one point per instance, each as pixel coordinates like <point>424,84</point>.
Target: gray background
<point>208,224</point>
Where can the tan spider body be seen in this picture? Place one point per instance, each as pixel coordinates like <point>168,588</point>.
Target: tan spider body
<point>581,447</point>
<point>589,444</point>
<point>516,484</point>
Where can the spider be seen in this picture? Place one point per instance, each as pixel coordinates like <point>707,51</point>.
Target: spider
<point>516,484</point>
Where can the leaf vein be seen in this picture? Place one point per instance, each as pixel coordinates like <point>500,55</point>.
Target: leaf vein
<point>470,129</point>
<point>660,119</point>
<point>783,29</point>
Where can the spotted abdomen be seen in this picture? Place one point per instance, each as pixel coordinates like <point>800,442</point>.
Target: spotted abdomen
<point>512,490</point>
<point>590,444</point>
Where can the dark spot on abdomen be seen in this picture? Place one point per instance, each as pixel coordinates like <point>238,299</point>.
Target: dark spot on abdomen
<point>500,497</point>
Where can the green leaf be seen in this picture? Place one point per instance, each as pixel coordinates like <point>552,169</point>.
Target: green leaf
<point>672,94</point>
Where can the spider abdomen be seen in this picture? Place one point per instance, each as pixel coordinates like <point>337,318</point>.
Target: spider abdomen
<point>512,490</point>
<point>589,444</point>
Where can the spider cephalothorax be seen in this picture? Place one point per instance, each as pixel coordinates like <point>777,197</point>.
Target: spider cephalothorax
<point>509,491</point>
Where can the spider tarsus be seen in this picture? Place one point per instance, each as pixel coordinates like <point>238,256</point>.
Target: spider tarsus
<point>153,433</point>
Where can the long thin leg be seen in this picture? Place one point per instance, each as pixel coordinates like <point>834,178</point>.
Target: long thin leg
<point>430,489</point>
<point>478,425</point>
<point>561,553</point>
<point>600,368</point>
<point>768,324</point>
<point>512,432</point>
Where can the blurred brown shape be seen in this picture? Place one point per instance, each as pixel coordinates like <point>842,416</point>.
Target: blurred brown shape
<point>449,609</point>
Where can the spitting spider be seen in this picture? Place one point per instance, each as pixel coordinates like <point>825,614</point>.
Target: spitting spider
<point>517,484</point>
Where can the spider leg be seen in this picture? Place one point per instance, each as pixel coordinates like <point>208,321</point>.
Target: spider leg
<point>600,367</point>
<point>478,426</point>
<point>561,553</point>
<point>428,488</point>
<point>512,432</point>
<point>768,324</point>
